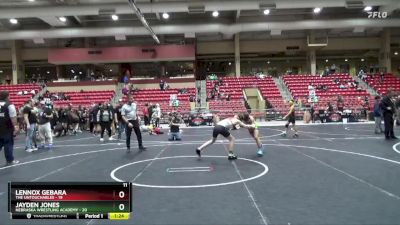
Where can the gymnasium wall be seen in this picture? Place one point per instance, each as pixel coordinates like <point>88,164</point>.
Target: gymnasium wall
<point>171,85</point>
<point>227,47</point>
<point>77,86</point>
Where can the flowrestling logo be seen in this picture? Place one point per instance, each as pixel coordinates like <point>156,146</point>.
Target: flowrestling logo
<point>377,15</point>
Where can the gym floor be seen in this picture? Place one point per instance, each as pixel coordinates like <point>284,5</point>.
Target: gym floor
<point>331,174</point>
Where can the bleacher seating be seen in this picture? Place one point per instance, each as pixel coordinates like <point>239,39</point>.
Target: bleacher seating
<point>389,81</point>
<point>226,109</point>
<point>353,98</point>
<point>155,96</point>
<point>234,86</point>
<point>85,98</point>
<point>20,100</point>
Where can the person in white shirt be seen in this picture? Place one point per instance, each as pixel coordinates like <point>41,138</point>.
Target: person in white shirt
<point>157,115</point>
<point>131,119</point>
<point>310,87</point>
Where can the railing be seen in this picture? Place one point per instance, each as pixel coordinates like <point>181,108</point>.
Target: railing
<point>354,114</point>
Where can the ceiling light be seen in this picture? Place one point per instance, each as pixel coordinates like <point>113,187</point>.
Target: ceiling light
<point>72,71</point>
<point>114,17</point>
<point>362,60</point>
<point>1,71</point>
<point>396,53</point>
<point>326,60</point>
<point>317,10</point>
<point>367,8</point>
<point>31,0</point>
<point>48,72</point>
<point>215,14</point>
<point>266,11</point>
<point>13,21</point>
<point>63,19</point>
<point>80,72</point>
<point>165,16</point>
<point>229,63</point>
<point>346,60</point>
<point>110,70</point>
<point>268,62</point>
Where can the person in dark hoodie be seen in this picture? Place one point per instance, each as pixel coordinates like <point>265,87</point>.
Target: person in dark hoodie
<point>388,111</point>
<point>105,117</point>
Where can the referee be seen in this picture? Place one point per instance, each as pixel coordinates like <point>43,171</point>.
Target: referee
<point>129,116</point>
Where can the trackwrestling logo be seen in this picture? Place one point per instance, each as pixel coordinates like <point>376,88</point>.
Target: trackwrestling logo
<point>377,15</point>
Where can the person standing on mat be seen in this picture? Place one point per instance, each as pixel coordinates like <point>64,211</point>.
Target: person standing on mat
<point>30,121</point>
<point>249,120</point>
<point>291,117</point>
<point>8,127</point>
<point>118,119</point>
<point>223,128</point>
<point>44,127</point>
<point>130,117</point>
<point>378,115</point>
<point>105,117</point>
<point>388,111</point>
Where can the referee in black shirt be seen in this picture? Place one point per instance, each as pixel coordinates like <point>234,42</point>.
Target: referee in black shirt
<point>388,111</point>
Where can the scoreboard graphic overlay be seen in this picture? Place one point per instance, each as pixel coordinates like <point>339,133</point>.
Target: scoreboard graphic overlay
<point>70,200</point>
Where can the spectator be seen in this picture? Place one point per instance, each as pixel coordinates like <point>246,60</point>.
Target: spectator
<point>8,81</point>
<point>63,119</point>
<point>361,74</point>
<point>329,108</point>
<point>342,86</point>
<point>44,128</point>
<point>333,69</point>
<point>176,103</point>
<point>118,118</point>
<point>73,119</point>
<point>336,81</point>
<point>340,104</point>
<point>166,85</point>
<point>183,91</point>
<point>125,79</point>
<point>174,133</point>
<point>105,117</point>
<point>310,87</point>
<point>228,97</point>
<point>162,85</point>
<point>156,115</point>
<point>192,98</point>
<point>80,112</point>
<point>350,84</point>
<point>312,112</point>
<point>378,115</point>
<point>326,72</point>
<point>220,81</point>
<point>364,77</point>
<point>8,127</point>
<point>145,112</point>
<point>30,120</point>
<point>382,76</point>
<point>150,110</point>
